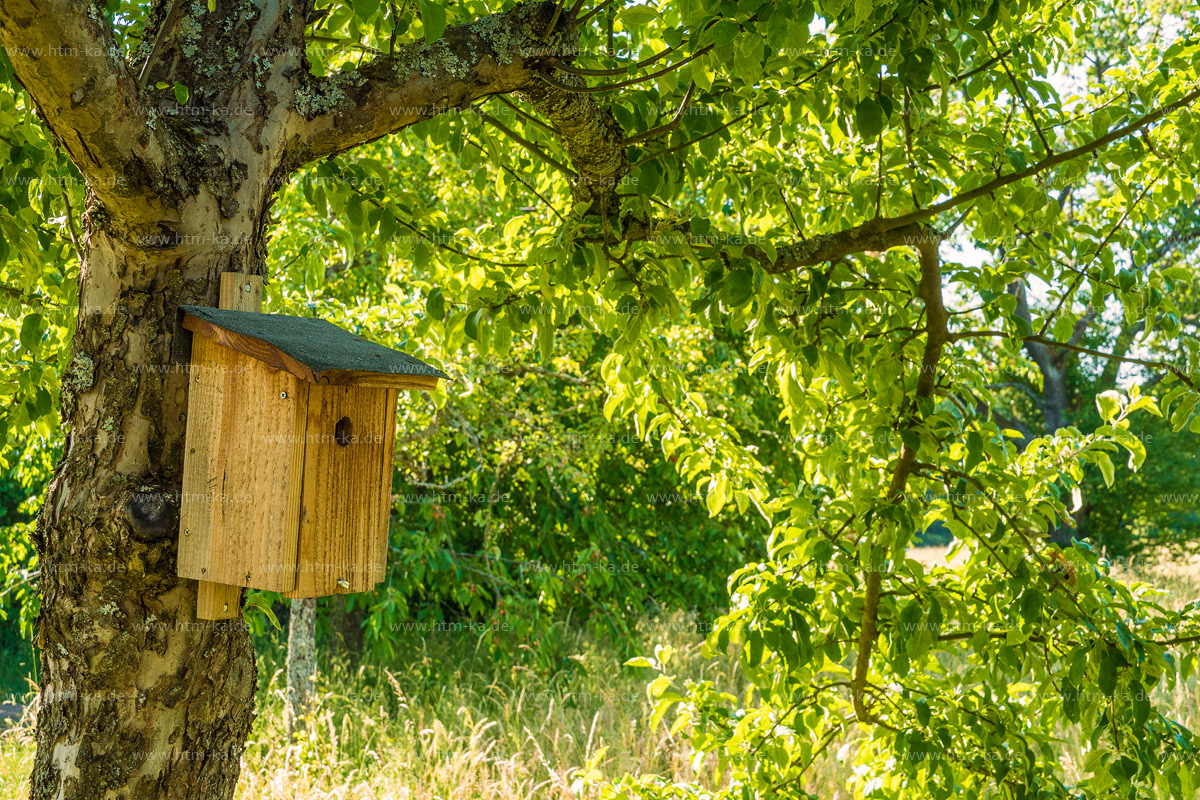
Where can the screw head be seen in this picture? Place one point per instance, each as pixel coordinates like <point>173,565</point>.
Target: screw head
<point>283,395</point>
<point>246,288</point>
<point>187,532</point>
<point>227,606</point>
<point>342,582</point>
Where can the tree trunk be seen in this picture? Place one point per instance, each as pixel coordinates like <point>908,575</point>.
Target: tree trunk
<point>301,663</point>
<point>139,699</point>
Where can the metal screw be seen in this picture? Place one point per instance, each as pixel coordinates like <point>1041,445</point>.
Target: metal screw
<point>246,288</point>
<point>197,379</point>
<point>342,582</point>
<point>187,532</point>
<point>283,395</point>
<point>227,606</point>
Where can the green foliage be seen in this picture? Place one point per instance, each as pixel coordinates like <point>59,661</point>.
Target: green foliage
<point>825,399</point>
<point>516,502</point>
<point>820,117</point>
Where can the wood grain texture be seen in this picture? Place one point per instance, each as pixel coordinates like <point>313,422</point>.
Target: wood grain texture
<point>218,600</point>
<point>239,292</point>
<point>243,470</point>
<point>346,503</point>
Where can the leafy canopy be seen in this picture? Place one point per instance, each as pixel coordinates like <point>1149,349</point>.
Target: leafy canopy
<point>793,173</point>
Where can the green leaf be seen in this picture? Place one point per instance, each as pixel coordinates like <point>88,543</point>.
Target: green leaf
<point>472,324</point>
<point>868,118</point>
<point>257,600</point>
<point>747,59</point>
<point>545,340</point>
<point>433,18</point>
<point>755,649</point>
<point>725,32</point>
<point>633,16</point>
<point>974,450</point>
<point>989,18</point>
<point>31,332</point>
<point>435,304</point>
<point>1108,404</point>
<point>1106,468</point>
<point>181,93</point>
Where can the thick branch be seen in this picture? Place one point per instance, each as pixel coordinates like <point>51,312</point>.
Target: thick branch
<point>498,54</point>
<point>593,138</point>
<point>67,60</point>
<point>1047,163</point>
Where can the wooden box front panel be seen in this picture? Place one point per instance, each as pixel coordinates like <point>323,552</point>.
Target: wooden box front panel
<point>243,469</point>
<point>345,507</point>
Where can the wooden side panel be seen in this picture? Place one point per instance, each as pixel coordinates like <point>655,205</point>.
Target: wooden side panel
<point>385,499</point>
<point>346,503</point>
<point>221,600</point>
<point>242,470</point>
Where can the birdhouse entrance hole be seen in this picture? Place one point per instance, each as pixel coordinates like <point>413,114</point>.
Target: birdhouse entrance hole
<point>343,432</point>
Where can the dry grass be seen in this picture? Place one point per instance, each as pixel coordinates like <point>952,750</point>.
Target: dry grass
<point>453,723</point>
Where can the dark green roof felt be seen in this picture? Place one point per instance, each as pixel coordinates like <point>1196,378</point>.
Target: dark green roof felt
<point>317,344</point>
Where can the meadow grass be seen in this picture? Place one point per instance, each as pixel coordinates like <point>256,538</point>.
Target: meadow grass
<point>451,722</point>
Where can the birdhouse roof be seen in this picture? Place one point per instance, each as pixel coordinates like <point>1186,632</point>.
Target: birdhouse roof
<point>311,348</point>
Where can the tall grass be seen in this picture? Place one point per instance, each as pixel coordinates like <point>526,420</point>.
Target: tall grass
<point>454,722</point>
<point>450,722</point>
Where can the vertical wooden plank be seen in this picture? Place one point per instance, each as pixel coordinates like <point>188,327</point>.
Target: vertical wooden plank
<point>343,515</point>
<point>218,600</point>
<point>205,402</point>
<point>242,475</point>
<point>241,292</point>
<point>214,600</point>
<point>380,549</point>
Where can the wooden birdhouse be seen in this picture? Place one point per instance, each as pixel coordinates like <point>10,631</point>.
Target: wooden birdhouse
<point>288,456</point>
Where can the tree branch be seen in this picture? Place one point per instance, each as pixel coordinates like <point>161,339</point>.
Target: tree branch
<point>68,61</point>
<point>498,54</point>
<point>936,337</point>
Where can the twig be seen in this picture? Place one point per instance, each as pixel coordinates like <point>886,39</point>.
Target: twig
<point>528,145</point>
<point>158,37</point>
<point>524,182</point>
<point>526,115</point>
<point>553,21</point>
<point>632,81</point>
<point>1021,95</point>
<point>698,139</point>
<point>670,126</point>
